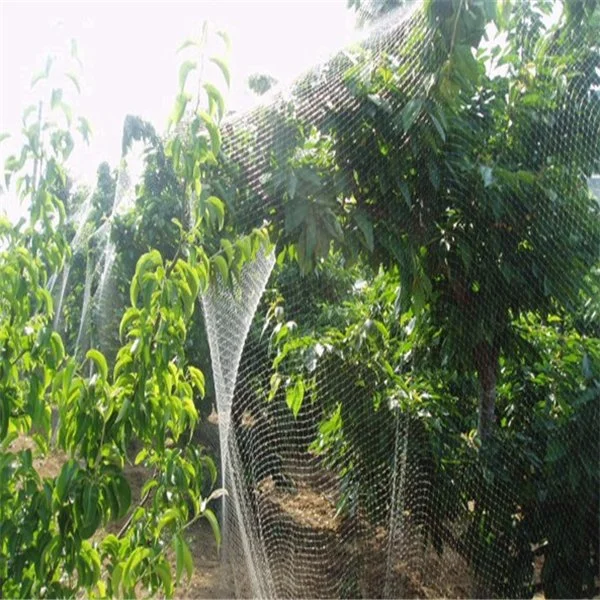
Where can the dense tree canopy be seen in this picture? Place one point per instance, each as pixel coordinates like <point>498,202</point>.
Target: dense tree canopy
<point>480,199</point>
<point>438,249</point>
<point>479,167</point>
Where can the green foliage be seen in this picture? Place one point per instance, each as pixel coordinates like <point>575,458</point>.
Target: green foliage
<point>440,290</point>
<point>361,339</point>
<point>470,185</point>
<point>465,204</point>
<point>260,83</point>
<point>104,195</point>
<point>172,196</point>
<point>53,541</point>
<point>501,505</point>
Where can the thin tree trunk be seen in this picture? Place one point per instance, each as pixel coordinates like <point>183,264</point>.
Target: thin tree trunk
<point>486,362</point>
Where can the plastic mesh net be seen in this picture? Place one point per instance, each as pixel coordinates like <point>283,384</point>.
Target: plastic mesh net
<point>347,433</point>
<point>408,386</point>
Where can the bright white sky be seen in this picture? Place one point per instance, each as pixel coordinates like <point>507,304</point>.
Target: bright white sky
<point>130,63</point>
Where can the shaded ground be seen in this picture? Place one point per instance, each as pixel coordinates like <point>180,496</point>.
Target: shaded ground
<point>306,511</point>
<point>303,511</point>
<point>311,520</point>
<point>211,578</point>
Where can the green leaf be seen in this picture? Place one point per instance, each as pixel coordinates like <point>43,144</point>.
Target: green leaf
<point>132,313</point>
<point>191,276</point>
<point>533,99</point>
<point>122,492</point>
<point>187,44</point>
<point>292,184</point>
<point>223,35</point>
<point>112,503</point>
<point>294,396</point>
<point>174,148</point>
<point>141,456</point>
<point>221,267</point>
<point>91,512</point>
<point>197,379</point>
<point>223,67</point>
<point>382,329</point>
<point>213,131</point>
<point>148,486</point>
<point>164,573</point>
<point>45,73</point>
<point>46,553</point>
<point>465,63</point>
<point>137,556</point>
<point>184,70</point>
<point>179,108</point>
<point>438,127</point>
<point>216,207</point>
<point>64,479</point>
<point>178,544</point>
<point>214,524</point>
<point>98,359</point>
<point>58,348</point>
<point>410,113</point>
<point>75,52</point>
<point>215,96</point>
<point>366,227</point>
<point>209,463</point>
<point>134,292</point>
<point>170,515</point>
<point>84,129</point>
<point>148,262</point>
<point>73,78</point>
<point>275,383</point>
<point>295,214</point>
<point>310,235</point>
<point>227,248</point>
<point>115,579</point>
<point>245,246</point>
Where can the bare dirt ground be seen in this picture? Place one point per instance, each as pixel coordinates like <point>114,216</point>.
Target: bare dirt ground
<point>211,578</point>
<point>304,511</point>
<point>310,518</point>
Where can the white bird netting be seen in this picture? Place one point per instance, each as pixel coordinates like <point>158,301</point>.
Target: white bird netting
<point>444,280</point>
<point>357,495</point>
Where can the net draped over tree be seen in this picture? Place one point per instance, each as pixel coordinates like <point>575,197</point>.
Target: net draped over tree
<point>380,291</point>
<point>415,409</point>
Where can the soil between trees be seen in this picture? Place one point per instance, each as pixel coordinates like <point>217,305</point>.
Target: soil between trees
<point>443,576</point>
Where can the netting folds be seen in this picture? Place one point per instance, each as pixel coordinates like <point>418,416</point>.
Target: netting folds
<point>350,390</point>
<point>285,533</point>
<point>229,315</point>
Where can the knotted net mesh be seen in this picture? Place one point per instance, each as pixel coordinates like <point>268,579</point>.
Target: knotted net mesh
<point>407,379</point>
<point>349,392</point>
<point>407,384</point>
<point>424,422</point>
